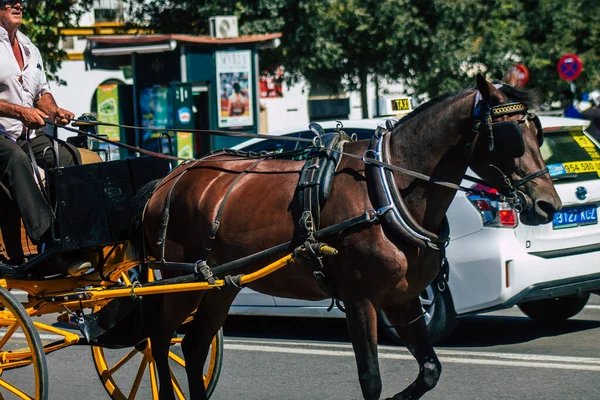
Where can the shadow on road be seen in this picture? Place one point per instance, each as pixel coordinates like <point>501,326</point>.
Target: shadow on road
<point>483,331</point>
<point>476,331</point>
<point>322,329</point>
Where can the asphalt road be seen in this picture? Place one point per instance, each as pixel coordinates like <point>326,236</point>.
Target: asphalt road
<point>502,355</point>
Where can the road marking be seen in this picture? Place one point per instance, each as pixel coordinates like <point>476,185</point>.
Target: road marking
<point>449,356</point>
<point>399,353</point>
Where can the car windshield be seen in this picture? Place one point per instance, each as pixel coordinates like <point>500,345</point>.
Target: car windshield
<point>570,155</point>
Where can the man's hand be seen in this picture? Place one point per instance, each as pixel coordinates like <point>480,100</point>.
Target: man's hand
<point>32,117</point>
<point>62,117</point>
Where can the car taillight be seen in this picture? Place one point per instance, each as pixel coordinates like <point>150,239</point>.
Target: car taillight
<point>493,213</point>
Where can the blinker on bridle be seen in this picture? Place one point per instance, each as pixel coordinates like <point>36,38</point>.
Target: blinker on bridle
<point>506,137</point>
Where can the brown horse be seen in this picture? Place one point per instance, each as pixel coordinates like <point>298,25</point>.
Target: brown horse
<point>488,129</point>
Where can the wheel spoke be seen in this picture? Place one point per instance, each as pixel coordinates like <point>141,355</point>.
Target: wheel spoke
<point>138,378</point>
<point>153,378</point>
<point>176,386</point>
<point>125,278</point>
<point>177,359</point>
<point>109,372</point>
<point>8,334</point>
<point>20,394</point>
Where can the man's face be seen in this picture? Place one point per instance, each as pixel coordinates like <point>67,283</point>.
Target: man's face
<point>11,14</point>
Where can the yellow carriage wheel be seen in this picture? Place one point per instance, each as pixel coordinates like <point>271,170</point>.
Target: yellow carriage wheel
<point>127,373</point>
<point>23,369</point>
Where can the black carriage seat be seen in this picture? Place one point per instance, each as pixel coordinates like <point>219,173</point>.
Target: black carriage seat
<point>95,206</point>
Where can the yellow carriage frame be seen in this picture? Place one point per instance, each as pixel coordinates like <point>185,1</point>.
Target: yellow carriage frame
<point>90,291</point>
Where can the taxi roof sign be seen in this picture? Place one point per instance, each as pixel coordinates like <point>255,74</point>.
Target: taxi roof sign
<point>395,106</point>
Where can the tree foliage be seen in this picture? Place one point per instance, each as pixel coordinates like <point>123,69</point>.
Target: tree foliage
<point>433,46</point>
<point>41,22</point>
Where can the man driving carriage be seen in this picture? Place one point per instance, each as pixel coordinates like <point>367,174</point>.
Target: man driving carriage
<point>25,101</point>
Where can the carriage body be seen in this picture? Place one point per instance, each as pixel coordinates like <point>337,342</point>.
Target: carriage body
<point>95,204</point>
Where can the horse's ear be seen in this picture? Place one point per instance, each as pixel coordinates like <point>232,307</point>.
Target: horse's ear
<point>488,92</point>
<point>511,77</point>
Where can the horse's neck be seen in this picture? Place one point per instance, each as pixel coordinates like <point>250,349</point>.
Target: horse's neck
<point>429,143</point>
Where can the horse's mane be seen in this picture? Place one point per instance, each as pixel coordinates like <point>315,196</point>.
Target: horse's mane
<point>429,104</point>
<point>528,96</point>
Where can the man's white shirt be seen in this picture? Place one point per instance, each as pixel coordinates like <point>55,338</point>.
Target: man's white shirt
<point>33,77</point>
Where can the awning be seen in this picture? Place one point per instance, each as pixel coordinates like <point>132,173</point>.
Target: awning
<point>113,45</point>
<point>113,52</point>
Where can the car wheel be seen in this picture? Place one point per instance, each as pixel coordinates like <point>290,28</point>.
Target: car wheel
<point>440,316</point>
<point>556,309</point>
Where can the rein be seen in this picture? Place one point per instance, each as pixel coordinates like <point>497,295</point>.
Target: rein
<point>315,142</point>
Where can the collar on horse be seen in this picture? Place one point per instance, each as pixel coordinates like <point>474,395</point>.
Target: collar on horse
<point>390,206</point>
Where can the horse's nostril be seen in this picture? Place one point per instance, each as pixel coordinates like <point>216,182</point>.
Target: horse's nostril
<point>546,207</point>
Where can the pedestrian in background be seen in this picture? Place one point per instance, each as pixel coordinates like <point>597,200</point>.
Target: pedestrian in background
<point>566,98</point>
<point>593,114</point>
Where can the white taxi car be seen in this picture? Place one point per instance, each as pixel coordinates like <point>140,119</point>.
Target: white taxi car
<point>548,271</point>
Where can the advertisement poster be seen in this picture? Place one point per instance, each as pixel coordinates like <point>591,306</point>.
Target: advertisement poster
<point>234,88</point>
<point>154,107</point>
<point>270,84</point>
<point>185,145</point>
<point>107,97</point>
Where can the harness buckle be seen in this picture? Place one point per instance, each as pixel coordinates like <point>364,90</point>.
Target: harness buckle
<point>371,215</point>
<point>203,269</point>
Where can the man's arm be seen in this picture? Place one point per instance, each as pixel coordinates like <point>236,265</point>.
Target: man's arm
<point>31,117</point>
<point>57,115</point>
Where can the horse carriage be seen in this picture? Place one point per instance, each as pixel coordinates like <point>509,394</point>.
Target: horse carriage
<point>379,205</point>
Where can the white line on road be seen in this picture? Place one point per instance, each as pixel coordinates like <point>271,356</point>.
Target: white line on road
<point>477,361</point>
<point>399,349</point>
<point>399,353</point>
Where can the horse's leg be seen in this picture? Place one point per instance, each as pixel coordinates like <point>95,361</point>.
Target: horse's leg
<point>415,337</point>
<point>209,318</point>
<point>362,326</point>
<point>161,344</point>
<point>172,310</point>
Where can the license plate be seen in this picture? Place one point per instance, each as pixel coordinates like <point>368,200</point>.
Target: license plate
<point>575,216</point>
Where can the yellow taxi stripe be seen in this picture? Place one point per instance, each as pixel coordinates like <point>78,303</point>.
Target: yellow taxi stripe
<point>582,166</point>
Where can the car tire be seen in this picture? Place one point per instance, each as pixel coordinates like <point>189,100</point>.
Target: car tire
<point>555,309</point>
<point>440,317</point>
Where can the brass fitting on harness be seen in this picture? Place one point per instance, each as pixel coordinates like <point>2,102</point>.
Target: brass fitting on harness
<point>328,250</point>
<point>312,250</point>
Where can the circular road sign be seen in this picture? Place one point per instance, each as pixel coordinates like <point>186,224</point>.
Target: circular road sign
<point>522,75</point>
<point>569,67</point>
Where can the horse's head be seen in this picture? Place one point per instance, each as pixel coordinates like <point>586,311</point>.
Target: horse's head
<point>505,151</point>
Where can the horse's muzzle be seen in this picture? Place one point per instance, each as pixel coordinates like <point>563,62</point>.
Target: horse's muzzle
<point>539,211</point>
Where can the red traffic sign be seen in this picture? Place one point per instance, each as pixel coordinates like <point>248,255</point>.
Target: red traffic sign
<point>522,75</point>
<point>569,67</point>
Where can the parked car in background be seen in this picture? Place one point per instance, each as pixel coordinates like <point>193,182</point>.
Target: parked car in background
<point>548,271</point>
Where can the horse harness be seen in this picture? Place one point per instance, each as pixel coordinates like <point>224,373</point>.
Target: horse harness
<point>390,210</point>
<point>505,138</point>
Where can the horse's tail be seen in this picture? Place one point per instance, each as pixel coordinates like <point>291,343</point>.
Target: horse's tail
<point>136,232</point>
